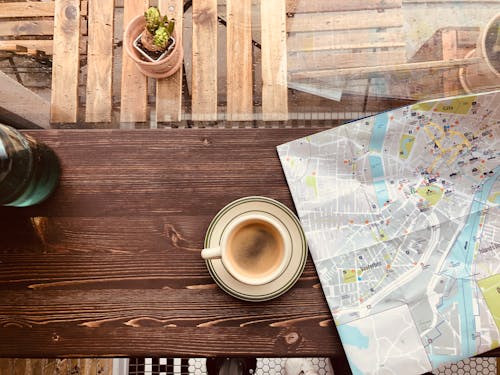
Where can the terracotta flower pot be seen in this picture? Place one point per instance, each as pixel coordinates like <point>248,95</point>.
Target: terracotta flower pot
<point>484,75</point>
<point>162,68</point>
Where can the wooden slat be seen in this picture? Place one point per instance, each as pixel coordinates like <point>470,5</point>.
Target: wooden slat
<point>134,99</point>
<point>5,366</point>
<point>274,61</point>
<point>100,61</point>
<point>22,103</point>
<point>33,9</point>
<point>304,6</point>
<point>328,21</point>
<point>27,27</point>
<point>104,366</point>
<point>346,39</point>
<point>34,45</point>
<point>332,59</point>
<point>65,65</point>
<point>204,61</point>
<point>169,90</point>
<point>20,366</point>
<point>239,60</point>
<point>467,38</point>
<point>449,46</point>
<point>368,70</point>
<point>27,9</point>
<point>37,366</point>
<point>84,5</point>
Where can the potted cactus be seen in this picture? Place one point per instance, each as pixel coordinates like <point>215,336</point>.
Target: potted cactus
<point>152,42</point>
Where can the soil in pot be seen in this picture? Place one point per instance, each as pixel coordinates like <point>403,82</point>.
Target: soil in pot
<point>153,54</point>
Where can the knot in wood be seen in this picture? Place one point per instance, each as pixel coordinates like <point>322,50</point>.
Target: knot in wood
<point>206,141</point>
<point>292,338</point>
<point>55,337</point>
<point>70,12</point>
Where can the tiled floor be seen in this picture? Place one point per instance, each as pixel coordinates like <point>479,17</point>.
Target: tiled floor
<point>197,366</point>
<point>472,366</point>
<point>276,366</point>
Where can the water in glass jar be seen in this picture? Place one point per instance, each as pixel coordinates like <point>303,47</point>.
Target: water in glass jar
<point>29,170</point>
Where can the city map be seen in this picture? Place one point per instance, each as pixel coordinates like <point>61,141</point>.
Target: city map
<point>401,214</point>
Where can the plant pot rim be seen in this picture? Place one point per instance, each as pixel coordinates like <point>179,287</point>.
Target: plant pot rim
<point>484,52</point>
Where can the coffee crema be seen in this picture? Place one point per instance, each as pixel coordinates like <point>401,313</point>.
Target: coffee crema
<point>255,249</point>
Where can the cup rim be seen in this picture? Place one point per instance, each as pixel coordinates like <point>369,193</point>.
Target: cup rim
<point>286,246</point>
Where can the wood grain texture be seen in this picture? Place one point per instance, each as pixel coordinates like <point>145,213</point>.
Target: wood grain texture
<point>99,98</point>
<point>204,61</point>
<point>110,264</point>
<point>451,83</point>
<point>239,60</point>
<point>328,21</point>
<point>27,9</point>
<point>274,61</point>
<point>346,39</point>
<point>26,27</point>
<point>302,6</point>
<point>319,60</point>
<point>23,103</point>
<point>66,61</point>
<point>31,46</point>
<point>431,66</point>
<point>169,90</point>
<point>134,96</point>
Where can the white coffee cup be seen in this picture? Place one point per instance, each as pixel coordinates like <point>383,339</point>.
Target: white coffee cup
<point>255,248</point>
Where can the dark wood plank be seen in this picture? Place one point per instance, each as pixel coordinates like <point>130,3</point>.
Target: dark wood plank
<point>141,173</point>
<point>111,264</point>
<point>161,341</point>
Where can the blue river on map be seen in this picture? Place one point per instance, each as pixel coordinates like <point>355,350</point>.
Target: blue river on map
<point>351,335</point>
<point>378,132</point>
<point>376,165</point>
<point>463,298</point>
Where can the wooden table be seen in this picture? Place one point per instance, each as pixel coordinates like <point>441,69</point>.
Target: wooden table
<point>110,265</point>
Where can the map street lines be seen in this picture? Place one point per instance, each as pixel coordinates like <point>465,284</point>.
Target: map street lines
<point>401,213</point>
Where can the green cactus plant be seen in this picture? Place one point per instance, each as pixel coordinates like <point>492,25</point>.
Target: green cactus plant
<point>160,38</point>
<point>153,19</point>
<point>158,30</point>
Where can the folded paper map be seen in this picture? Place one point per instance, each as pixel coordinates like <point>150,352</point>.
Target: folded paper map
<point>401,213</point>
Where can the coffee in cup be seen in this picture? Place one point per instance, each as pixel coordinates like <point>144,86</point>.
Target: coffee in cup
<point>255,249</point>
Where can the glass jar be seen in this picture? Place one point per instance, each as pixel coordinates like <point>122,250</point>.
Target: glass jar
<point>29,170</point>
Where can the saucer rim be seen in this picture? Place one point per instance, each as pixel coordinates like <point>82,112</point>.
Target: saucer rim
<point>300,265</point>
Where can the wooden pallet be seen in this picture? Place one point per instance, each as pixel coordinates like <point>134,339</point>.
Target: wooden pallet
<point>28,27</point>
<point>253,86</point>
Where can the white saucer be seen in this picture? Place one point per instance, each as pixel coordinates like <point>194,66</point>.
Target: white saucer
<point>287,279</point>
